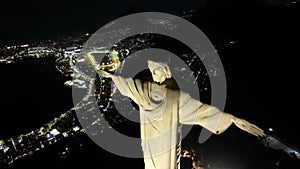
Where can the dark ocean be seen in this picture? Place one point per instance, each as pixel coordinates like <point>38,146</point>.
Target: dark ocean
<point>32,94</point>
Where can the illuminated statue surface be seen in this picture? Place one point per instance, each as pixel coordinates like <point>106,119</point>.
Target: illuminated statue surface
<point>163,110</point>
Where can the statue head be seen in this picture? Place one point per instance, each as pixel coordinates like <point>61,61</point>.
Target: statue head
<point>160,71</point>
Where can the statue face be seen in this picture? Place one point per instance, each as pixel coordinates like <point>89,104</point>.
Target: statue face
<point>158,75</point>
<point>160,71</point>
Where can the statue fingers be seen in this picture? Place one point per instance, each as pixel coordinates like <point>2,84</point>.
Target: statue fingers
<point>256,128</point>
<point>104,74</point>
<point>253,133</point>
<point>257,131</point>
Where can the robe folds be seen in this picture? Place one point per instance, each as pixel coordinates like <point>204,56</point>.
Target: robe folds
<point>162,112</point>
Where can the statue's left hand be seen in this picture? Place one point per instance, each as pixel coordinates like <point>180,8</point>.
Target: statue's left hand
<point>248,127</point>
<point>104,74</point>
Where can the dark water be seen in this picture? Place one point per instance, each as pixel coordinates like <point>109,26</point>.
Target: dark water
<point>32,94</point>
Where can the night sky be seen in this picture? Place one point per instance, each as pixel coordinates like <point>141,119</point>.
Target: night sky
<point>41,20</point>
<point>38,20</point>
<point>261,71</point>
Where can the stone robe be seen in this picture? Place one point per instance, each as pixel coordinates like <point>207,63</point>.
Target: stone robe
<point>162,112</point>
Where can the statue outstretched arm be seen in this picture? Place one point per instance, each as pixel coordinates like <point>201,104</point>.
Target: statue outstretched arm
<point>126,86</point>
<point>194,112</point>
<point>92,61</point>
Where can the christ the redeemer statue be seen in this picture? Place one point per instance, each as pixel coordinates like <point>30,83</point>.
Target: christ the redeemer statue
<point>163,110</point>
